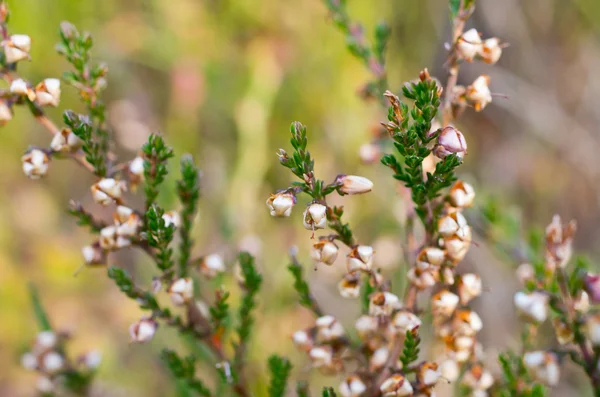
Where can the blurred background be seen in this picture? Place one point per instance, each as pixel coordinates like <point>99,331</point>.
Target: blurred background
<point>223,80</point>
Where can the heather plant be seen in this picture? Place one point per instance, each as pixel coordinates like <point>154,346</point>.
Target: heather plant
<point>385,354</point>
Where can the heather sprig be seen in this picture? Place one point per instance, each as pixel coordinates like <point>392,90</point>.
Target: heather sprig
<point>184,369</point>
<point>280,371</point>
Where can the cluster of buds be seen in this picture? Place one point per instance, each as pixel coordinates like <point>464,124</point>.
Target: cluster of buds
<point>47,357</point>
<point>477,95</point>
<point>108,191</point>
<point>46,93</point>
<point>16,48</point>
<point>324,343</point>
<point>470,47</point>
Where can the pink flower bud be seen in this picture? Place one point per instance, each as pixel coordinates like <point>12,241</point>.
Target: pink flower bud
<point>143,330</point>
<point>352,184</point>
<point>450,141</point>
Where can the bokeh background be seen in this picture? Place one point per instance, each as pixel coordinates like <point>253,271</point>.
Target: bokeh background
<point>223,80</point>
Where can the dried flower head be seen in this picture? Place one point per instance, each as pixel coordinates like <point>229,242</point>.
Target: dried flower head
<point>478,94</point>
<point>108,190</point>
<point>559,241</point>
<point>349,286</point>
<point>360,258</point>
<point>444,303</point>
<point>315,216</point>
<point>35,163</point>
<point>383,304</point>
<point>352,386</point>
<point>491,50</point>
<point>211,265</point>
<point>303,340</point>
<point>17,48</point>
<point>48,92</point>
<point>6,111</point>
<point>324,251</point>
<point>396,386</point>
<point>94,254</point>
<point>328,329</point>
<point>405,320</point>
<point>533,306</point>
<point>543,366</point>
<point>469,287</point>
<point>181,291</point>
<point>461,194</point>
<point>65,141</point>
<point>22,88</point>
<point>469,45</point>
<point>172,218</point>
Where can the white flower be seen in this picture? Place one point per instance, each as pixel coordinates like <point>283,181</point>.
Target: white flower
<point>430,256</point>
<point>457,248</point>
<point>349,286</point>
<point>428,374</point>
<point>48,92</point>
<point>467,322</point>
<point>491,50</point>
<point>110,240</point>
<point>360,258</point>
<point>6,113</point>
<point>423,278</point>
<point>17,48</point>
<point>444,303</point>
<point>478,94</point>
<point>91,360</point>
<point>303,340</point>
<point>143,330</point>
<point>29,361</point>
<point>396,386</point>
<point>469,287</point>
<point>405,321</point>
<point>450,141</point>
<point>592,328</point>
<point>65,141</point>
<point>93,254</point>
<point>281,204</point>
<point>211,265</point>
<point>172,218</point>
<point>328,329</point>
<point>462,194</point>
<point>52,362</point>
<point>469,45</point>
<point>478,378</point>
<point>379,358</point>
<point>450,370</point>
<point>383,304</point>
<point>544,366</point>
<point>352,184</point>
<point>45,340</point>
<point>452,224</point>
<point>127,221</point>
<point>352,386</point>
<point>315,216</point>
<point>20,87</point>
<point>525,272</point>
<point>369,153</point>
<point>533,306</point>
<point>35,163</point>
<point>108,190</point>
<point>366,326</point>
<point>324,251</point>
<point>181,291</point>
<point>44,384</point>
<point>321,356</point>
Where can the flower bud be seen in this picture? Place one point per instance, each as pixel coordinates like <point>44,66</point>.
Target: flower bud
<point>315,216</point>
<point>29,361</point>
<point>559,240</point>
<point>450,141</point>
<point>108,190</point>
<point>430,256</point>
<point>52,362</point>
<point>328,329</point>
<point>211,265</point>
<point>405,320</point>
<point>457,248</point>
<point>17,48</point>
<point>423,278</point>
<point>6,112</point>
<point>181,291</point>
<point>127,222</point>
<point>525,272</point>
<point>543,366</point>
<point>48,92</point>
<point>591,284</point>
<point>44,385</point>
<point>582,302</point>
<point>35,163</point>
<point>303,340</point>
<point>462,194</point>
<point>478,378</point>
<point>111,240</point>
<point>349,286</point>
<point>324,251</point>
<point>478,94</point>
<point>428,374</point>
<point>452,224</point>
<point>44,341</point>
<point>20,87</point>
<point>469,45</point>
<point>469,287</point>
<point>143,331</point>
<point>360,258</point>
<point>369,153</point>
<point>91,360</point>
<point>444,303</point>
<point>352,184</point>
<point>491,50</point>
<point>135,171</point>
<point>352,386</point>
<point>533,306</point>
<point>94,254</point>
<point>172,218</point>
<point>383,304</point>
<point>396,386</point>
<point>281,204</point>
<point>65,141</point>
<point>366,326</point>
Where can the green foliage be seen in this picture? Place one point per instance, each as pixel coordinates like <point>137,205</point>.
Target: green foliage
<point>516,380</point>
<point>159,236</point>
<point>219,312</point>
<point>252,283</point>
<point>302,389</point>
<point>366,291</point>
<point>188,190</point>
<point>92,146</point>
<point>455,6</point>
<point>410,352</point>
<point>334,218</point>
<point>410,131</point>
<point>38,309</point>
<point>300,163</point>
<point>329,392</point>
<point>90,80</point>
<point>280,369</point>
<point>156,154</point>
<point>185,369</point>
<point>84,218</point>
<point>125,283</point>
<point>301,286</point>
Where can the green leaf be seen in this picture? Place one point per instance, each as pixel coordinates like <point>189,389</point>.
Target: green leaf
<point>280,371</point>
<point>411,350</point>
<point>38,309</point>
<point>329,392</point>
<point>188,191</point>
<point>185,369</point>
